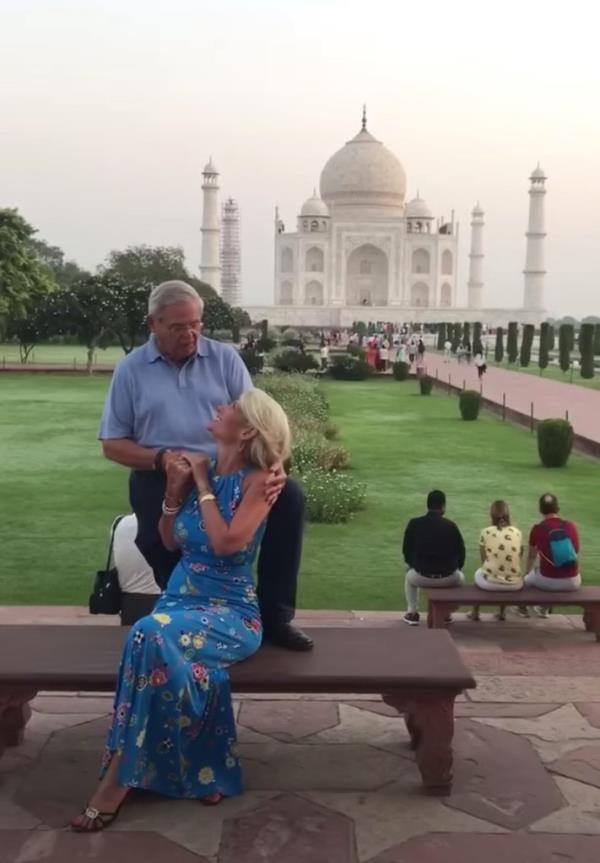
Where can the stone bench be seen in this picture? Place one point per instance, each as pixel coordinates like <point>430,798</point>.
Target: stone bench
<point>442,602</point>
<point>418,672</point>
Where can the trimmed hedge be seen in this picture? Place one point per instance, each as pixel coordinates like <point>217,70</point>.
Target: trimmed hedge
<point>345,367</point>
<point>526,344</point>
<point>293,360</point>
<point>586,349</point>
<point>401,371</point>
<point>425,386</point>
<point>555,442</point>
<point>254,362</point>
<point>469,403</point>
<point>512,342</point>
<point>499,349</point>
<point>565,346</point>
<point>544,350</point>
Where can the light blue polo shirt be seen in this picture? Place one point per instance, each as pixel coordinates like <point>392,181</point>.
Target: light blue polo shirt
<point>158,404</point>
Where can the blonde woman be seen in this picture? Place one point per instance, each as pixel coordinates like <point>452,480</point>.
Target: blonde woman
<point>173,730</point>
<point>501,550</point>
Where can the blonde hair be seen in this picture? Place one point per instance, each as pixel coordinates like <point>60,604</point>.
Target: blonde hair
<point>500,513</point>
<point>272,441</point>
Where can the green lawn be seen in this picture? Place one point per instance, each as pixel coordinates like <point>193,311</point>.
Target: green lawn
<point>58,496</point>
<point>60,354</point>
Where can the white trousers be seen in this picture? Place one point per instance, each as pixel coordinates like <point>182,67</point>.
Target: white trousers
<point>542,582</point>
<point>414,580</point>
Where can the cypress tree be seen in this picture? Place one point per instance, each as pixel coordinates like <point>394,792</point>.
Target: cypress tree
<point>499,350</point>
<point>551,337</point>
<point>441,336</point>
<point>466,332</point>
<point>565,340</point>
<point>526,343</point>
<point>455,337</point>
<point>512,342</point>
<point>586,349</point>
<point>544,349</point>
<point>597,340</point>
<point>477,343</point>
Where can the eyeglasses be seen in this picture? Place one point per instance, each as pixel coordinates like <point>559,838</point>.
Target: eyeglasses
<point>179,329</point>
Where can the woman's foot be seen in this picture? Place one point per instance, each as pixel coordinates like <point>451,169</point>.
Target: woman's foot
<point>104,805</point>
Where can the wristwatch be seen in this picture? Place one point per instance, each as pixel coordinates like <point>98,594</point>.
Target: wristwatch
<point>158,459</point>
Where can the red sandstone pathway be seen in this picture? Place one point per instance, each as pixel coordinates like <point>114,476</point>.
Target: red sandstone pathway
<point>550,398</point>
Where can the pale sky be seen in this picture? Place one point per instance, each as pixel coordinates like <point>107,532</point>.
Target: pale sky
<point>109,110</point>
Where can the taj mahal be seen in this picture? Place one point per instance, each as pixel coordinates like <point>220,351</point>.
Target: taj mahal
<point>360,251</point>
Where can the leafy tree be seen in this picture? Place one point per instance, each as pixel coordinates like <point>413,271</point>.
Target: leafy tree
<point>586,349</point>
<point>499,349</point>
<point>23,277</point>
<point>151,265</point>
<point>477,343</point>
<point>526,343</point>
<point>565,346</point>
<point>87,311</point>
<point>218,315</point>
<point>32,327</point>
<point>512,342</point>
<point>128,318</point>
<point>65,273</point>
<point>544,349</point>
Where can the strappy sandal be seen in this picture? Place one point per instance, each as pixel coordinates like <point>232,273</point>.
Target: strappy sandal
<point>98,820</point>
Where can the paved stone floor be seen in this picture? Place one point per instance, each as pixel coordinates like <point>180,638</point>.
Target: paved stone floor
<point>550,397</point>
<point>330,779</point>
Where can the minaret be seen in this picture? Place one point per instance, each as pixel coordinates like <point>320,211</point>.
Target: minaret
<point>533,295</point>
<point>210,267</point>
<point>475,283</point>
<point>231,285</point>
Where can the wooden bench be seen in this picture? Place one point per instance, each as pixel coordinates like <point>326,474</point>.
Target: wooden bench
<point>419,673</point>
<point>442,602</point>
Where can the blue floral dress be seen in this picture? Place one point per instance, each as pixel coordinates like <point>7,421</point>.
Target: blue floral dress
<point>173,721</point>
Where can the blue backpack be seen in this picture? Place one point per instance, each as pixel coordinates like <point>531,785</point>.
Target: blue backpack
<point>562,550</point>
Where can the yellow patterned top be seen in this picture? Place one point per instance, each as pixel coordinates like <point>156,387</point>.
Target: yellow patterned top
<point>502,548</point>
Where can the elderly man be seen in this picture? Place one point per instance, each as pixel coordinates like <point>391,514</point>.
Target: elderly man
<point>161,399</point>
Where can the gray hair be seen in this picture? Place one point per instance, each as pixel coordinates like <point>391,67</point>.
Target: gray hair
<point>169,293</point>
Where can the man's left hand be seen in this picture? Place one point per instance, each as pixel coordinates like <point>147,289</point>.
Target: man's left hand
<point>275,483</point>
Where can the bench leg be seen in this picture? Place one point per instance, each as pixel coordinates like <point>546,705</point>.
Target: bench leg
<point>438,612</point>
<point>15,712</point>
<point>432,722</point>
<point>591,620</point>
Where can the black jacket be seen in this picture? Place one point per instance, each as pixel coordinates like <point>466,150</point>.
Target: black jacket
<point>433,545</point>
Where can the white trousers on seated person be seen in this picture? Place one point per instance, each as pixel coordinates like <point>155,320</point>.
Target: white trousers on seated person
<point>414,580</point>
<point>542,582</point>
<point>482,582</point>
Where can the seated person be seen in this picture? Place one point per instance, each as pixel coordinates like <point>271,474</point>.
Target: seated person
<point>553,548</point>
<point>501,550</point>
<point>173,728</point>
<point>434,552</point>
<point>136,578</point>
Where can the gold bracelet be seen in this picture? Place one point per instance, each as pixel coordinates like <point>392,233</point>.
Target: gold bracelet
<point>207,496</point>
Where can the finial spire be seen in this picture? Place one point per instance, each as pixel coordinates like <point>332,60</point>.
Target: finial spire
<point>364,118</point>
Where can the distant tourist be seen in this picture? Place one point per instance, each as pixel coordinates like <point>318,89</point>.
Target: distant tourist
<point>372,353</point>
<point>434,552</point>
<point>480,365</point>
<point>412,351</point>
<point>447,350</point>
<point>324,355</point>
<point>500,550</point>
<point>552,560</point>
<point>383,356</point>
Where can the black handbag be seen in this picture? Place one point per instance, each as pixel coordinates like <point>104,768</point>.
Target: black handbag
<point>106,595</point>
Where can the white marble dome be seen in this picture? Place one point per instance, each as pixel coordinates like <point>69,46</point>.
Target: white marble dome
<point>418,209</point>
<point>363,172</point>
<point>315,206</point>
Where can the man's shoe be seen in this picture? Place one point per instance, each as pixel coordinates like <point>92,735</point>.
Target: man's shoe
<point>412,618</point>
<point>289,637</point>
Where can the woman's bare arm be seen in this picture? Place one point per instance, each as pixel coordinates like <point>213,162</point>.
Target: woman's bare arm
<point>227,538</point>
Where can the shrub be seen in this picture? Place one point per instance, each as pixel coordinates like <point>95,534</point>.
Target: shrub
<point>512,342</point>
<point>526,343</point>
<point>331,431</point>
<point>331,497</point>
<point>425,385</point>
<point>310,449</point>
<point>348,368</point>
<point>499,349</point>
<point>469,403</point>
<point>254,362</point>
<point>293,360</point>
<point>565,346</point>
<point>301,398</point>
<point>221,335</point>
<point>586,349</point>
<point>266,344</point>
<point>401,371</point>
<point>291,342</point>
<point>356,351</point>
<point>555,441</point>
<point>544,349</point>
